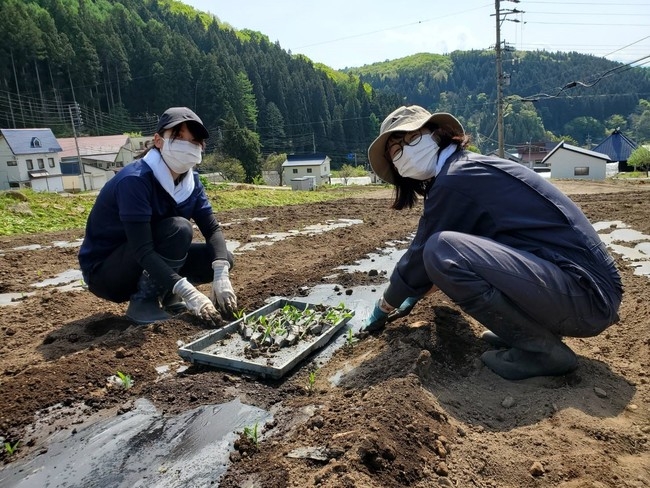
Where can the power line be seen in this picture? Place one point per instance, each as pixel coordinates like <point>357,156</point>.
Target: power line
<point>588,84</point>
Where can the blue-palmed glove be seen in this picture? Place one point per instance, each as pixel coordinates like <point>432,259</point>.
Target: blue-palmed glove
<point>404,309</point>
<point>379,316</point>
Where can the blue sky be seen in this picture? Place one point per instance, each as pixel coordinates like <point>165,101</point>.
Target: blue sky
<point>346,33</point>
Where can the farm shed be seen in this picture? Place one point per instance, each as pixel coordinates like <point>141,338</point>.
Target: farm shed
<point>572,162</point>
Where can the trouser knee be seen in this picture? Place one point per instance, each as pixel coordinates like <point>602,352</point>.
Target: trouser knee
<point>446,267</point>
<point>172,237</point>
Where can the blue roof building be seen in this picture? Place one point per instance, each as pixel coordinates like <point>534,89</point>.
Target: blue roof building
<point>30,158</point>
<point>618,148</point>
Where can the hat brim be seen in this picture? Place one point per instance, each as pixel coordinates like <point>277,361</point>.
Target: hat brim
<point>377,150</point>
<point>197,128</point>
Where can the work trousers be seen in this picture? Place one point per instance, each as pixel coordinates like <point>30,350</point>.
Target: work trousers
<point>473,270</point>
<point>116,278</point>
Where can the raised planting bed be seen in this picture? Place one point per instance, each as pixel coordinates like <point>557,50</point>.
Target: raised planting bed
<point>270,341</point>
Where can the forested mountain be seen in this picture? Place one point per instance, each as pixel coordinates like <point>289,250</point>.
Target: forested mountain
<point>109,66</point>
<point>572,94</point>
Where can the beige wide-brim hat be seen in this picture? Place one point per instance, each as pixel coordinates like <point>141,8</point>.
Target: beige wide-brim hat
<point>405,119</point>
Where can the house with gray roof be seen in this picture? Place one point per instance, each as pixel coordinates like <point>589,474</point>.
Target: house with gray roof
<point>301,168</point>
<point>29,158</point>
<point>618,148</point>
<point>572,162</point>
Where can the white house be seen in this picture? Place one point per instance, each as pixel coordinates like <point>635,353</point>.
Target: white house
<point>30,158</point>
<point>572,162</point>
<point>316,166</point>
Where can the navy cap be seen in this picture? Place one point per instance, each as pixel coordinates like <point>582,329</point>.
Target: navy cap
<point>177,115</point>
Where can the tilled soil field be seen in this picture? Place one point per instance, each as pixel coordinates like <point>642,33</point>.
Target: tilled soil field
<point>415,408</point>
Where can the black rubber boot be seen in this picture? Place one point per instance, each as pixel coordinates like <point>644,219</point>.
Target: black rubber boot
<point>532,349</point>
<point>172,303</point>
<point>494,340</point>
<point>144,305</point>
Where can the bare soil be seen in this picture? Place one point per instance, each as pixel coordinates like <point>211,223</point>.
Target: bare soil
<point>416,408</point>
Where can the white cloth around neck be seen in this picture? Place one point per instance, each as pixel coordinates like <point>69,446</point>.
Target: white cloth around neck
<point>443,156</point>
<point>162,173</point>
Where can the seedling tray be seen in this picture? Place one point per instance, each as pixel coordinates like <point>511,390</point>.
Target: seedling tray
<point>225,348</point>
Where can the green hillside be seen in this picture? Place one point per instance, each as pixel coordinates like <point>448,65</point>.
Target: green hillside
<point>108,66</point>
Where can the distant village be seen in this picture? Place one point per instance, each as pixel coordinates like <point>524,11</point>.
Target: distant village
<point>36,159</point>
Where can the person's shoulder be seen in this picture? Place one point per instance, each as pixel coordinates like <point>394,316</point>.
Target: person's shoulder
<point>138,168</point>
<point>135,175</point>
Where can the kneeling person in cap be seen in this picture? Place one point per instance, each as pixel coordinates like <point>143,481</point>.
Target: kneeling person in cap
<point>138,242</point>
<point>502,242</point>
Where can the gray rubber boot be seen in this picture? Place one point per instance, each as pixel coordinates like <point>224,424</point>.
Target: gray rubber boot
<point>144,305</point>
<point>172,303</point>
<point>533,350</point>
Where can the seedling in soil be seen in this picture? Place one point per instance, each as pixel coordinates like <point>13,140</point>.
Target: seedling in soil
<point>312,382</point>
<point>10,449</point>
<point>252,435</point>
<point>350,340</point>
<point>127,381</point>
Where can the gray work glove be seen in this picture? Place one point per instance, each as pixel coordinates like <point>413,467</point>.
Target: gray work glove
<point>222,293</point>
<point>197,303</point>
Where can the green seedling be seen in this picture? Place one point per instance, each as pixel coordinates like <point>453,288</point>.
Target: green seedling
<point>350,340</point>
<point>127,381</point>
<point>252,434</point>
<point>239,313</point>
<point>10,449</point>
<point>267,332</point>
<point>312,381</point>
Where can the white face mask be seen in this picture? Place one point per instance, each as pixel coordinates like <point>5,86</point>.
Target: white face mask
<point>181,156</point>
<point>419,161</point>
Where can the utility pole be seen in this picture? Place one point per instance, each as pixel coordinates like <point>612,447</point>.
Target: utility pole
<point>500,18</point>
<point>497,9</point>
<point>76,143</point>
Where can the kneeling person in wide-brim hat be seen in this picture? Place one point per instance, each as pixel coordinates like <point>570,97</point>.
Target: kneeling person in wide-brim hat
<point>502,242</point>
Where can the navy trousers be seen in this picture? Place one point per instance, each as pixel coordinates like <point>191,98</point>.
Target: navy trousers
<point>473,270</point>
<point>116,278</point>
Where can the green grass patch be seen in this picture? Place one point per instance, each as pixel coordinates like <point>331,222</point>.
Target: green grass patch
<point>632,175</point>
<point>42,212</point>
<point>29,212</point>
<point>226,197</point>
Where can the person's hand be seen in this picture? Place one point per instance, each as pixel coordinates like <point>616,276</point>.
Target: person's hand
<point>379,316</point>
<point>222,293</point>
<point>404,309</point>
<point>197,303</point>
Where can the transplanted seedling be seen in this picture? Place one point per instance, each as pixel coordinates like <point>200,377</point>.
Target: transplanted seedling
<point>127,381</point>
<point>312,382</point>
<point>252,434</point>
<point>350,340</point>
<point>10,449</point>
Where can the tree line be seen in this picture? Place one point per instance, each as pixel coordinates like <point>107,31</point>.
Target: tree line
<point>101,67</point>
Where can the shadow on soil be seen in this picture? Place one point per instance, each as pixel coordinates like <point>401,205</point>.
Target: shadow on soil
<point>105,329</point>
<point>444,351</point>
